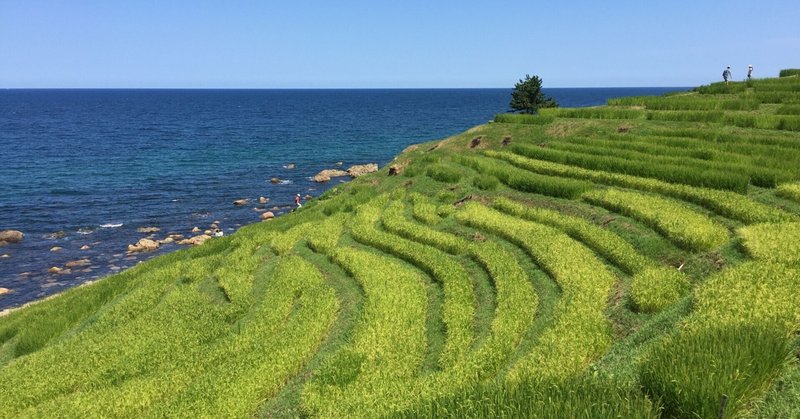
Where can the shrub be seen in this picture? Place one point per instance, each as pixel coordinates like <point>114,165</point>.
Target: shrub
<point>788,72</point>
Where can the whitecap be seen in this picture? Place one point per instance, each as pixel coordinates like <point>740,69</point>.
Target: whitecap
<point>85,231</point>
<point>285,182</point>
<point>111,225</point>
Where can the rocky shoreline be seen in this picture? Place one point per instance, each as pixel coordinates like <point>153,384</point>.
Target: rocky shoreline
<point>85,261</point>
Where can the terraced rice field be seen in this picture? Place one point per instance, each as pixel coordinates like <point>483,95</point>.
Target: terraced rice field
<point>633,260</point>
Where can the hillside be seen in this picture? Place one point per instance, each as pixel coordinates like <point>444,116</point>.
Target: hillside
<point>639,259</point>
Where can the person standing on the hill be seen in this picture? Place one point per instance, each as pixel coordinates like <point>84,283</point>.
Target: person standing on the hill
<point>726,75</point>
<point>297,201</point>
<point>749,71</point>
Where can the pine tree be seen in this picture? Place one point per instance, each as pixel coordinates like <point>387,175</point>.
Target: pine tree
<point>527,96</point>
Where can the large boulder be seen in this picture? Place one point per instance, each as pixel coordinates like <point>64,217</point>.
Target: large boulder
<point>11,236</point>
<point>196,240</point>
<point>143,245</point>
<point>362,169</point>
<point>327,174</point>
<point>78,263</point>
<point>148,230</point>
<point>241,202</point>
<point>4,291</point>
<point>267,216</point>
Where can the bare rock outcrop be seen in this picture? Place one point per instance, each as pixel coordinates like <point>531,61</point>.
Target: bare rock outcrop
<point>196,240</point>
<point>362,169</point>
<point>327,174</point>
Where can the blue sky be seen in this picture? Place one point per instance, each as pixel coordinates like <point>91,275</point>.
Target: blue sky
<point>335,44</point>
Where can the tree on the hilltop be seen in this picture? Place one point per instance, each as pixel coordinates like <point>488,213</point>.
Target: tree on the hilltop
<point>527,96</point>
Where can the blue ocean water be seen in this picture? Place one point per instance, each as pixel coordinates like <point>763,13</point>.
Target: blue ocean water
<point>88,167</point>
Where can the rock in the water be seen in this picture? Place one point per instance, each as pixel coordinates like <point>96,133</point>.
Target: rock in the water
<point>175,236</point>
<point>54,270</point>
<point>85,247</point>
<point>143,245</point>
<point>167,240</point>
<point>148,230</point>
<point>11,236</point>
<point>275,180</point>
<point>4,291</point>
<point>263,200</point>
<point>241,202</point>
<point>196,230</point>
<point>267,216</point>
<point>78,263</point>
<point>362,169</point>
<point>196,240</point>
<point>56,248</point>
<point>327,174</point>
<point>5,256</point>
<point>55,236</point>
<point>339,164</point>
<point>290,166</point>
<point>307,197</point>
<point>65,272</point>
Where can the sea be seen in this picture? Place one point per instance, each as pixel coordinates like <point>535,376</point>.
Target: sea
<point>83,170</point>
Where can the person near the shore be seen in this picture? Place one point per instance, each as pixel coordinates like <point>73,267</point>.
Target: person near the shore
<point>726,75</point>
<point>297,201</point>
<point>749,71</point>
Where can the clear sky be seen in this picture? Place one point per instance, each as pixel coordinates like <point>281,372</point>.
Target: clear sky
<point>399,43</point>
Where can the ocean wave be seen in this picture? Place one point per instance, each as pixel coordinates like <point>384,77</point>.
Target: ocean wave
<point>85,230</point>
<point>110,225</point>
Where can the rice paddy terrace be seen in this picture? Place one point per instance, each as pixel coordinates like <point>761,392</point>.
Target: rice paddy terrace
<point>640,259</point>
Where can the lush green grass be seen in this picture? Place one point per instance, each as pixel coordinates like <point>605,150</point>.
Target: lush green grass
<point>634,260</point>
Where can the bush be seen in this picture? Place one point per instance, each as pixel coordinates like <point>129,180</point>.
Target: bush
<point>789,72</point>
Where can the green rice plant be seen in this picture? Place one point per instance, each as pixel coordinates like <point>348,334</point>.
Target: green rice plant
<point>772,122</point>
<point>423,210</point>
<point>388,346</point>
<point>444,173</point>
<point>685,103</point>
<point>304,308</point>
<point>777,97</point>
<point>788,72</point>
<point>690,372</point>
<point>523,180</point>
<point>653,290</point>
<point>792,109</point>
<point>677,222</point>
<point>721,88</point>
<point>283,242</point>
<point>685,116</point>
<point>592,113</point>
<point>459,297</point>
<point>395,222</point>
<point>581,331</point>
<point>725,203</point>
<point>601,240</point>
<point>583,397</point>
<point>779,242</point>
<point>717,179</point>
<point>652,156</point>
<point>789,191</point>
<point>325,235</point>
<point>485,182</point>
<point>518,118</point>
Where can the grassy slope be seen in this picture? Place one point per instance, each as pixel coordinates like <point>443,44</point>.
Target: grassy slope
<point>611,261</point>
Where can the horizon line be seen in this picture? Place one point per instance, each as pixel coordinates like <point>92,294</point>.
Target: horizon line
<point>333,88</point>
